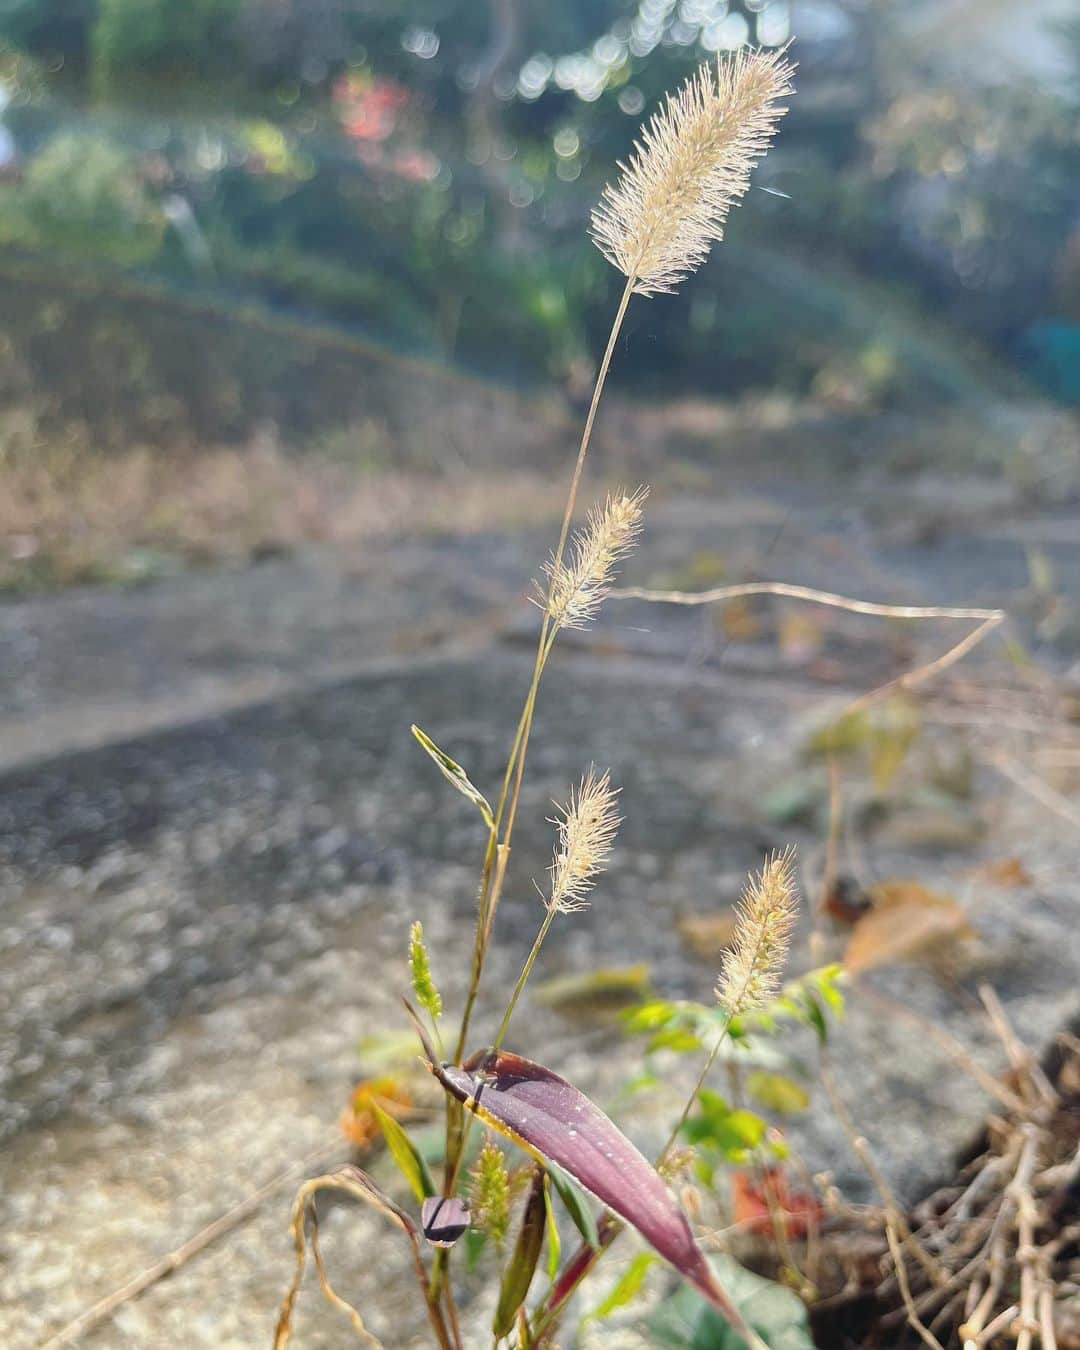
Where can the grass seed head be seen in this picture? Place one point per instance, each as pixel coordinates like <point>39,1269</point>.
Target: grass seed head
<point>765,916</point>
<point>489,1193</point>
<point>423,982</point>
<point>657,222</point>
<point>587,825</point>
<point>577,586</point>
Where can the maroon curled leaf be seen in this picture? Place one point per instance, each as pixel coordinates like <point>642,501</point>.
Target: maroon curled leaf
<point>444,1218</point>
<point>552,1120</point>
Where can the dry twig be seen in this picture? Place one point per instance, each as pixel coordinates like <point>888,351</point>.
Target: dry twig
<point>988,620</point>
<point>233,1218</point>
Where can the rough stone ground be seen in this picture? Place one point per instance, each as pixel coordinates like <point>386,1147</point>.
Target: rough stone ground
<point>215,829</point>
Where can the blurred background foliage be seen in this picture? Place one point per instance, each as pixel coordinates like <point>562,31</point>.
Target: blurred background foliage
<point>419,176</point>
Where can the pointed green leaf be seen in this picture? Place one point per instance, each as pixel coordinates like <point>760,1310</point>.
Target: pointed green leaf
<point>679,1039</point>
<point>576,1205</point>
<point>475,1242</point>
<point>624,1288</point>
<point>554,1242</point>
<point>455,774</point>
<point>594,991</point>
<point>405,1153</point>
<point>650,1016</point>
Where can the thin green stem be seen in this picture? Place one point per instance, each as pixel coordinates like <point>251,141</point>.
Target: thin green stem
<point>706,1069</point>
<point>498,845</point>
<point>515,764</point>
<point>526,971</point>
<point>478,940</point>
<point>544,645</point>
<point>451,1309</point>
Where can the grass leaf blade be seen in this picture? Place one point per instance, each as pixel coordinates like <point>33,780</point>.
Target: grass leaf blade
<point>404,1152</point>
<point>455,775</point>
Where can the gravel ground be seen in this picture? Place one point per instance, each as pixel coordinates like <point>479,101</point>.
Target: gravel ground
<point>215,829</point>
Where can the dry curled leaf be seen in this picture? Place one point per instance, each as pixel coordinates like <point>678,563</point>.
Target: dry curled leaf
<point>707,935</point>
<point>1008,873</point>
<point>907,920</point>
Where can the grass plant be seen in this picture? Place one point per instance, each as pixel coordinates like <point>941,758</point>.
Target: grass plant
<point>655,224</point>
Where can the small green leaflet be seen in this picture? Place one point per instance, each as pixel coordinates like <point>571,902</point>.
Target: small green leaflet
<point>777,1092</point>
<point>475,1242</point>
<point>405,1153</point>
<point>576,1205</point>
<point>553,1240</point>
<point>732,1133</point>
<point>624,1288</point>
<point>456,775</point>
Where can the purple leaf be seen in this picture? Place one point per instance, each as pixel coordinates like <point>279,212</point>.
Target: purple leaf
<point>552,1120</point>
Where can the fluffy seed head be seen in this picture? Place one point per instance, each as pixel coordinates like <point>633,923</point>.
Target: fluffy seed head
<point>587,825</point>
<point>765,916</point>
<point>692,164</point>
<point>577,586</point>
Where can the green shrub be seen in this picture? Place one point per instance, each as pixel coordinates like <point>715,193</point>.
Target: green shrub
<point>82,195</point>
<point>134,38</point>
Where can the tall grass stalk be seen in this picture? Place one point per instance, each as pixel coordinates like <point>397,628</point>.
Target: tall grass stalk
<point>655,225</point>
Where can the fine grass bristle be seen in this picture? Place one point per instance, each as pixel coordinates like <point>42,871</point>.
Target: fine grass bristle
<point>587,825</point>
<point>692,164</point>
<point>765,916</point>
<point>577,588</point>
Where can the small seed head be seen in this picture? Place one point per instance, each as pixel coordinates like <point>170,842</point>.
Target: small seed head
<point>587,825</point>
<point>577,587</point>
<point>765,916</point>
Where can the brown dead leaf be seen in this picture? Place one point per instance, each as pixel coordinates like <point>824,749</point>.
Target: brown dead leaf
<point>800,637</point>
<point>846,901</point>
<point>908,919</point>
<point>891,894</point>
<point>707,935</point>
<point>1004,872</point>
<point>739,621</point>
<point>759,1203</point>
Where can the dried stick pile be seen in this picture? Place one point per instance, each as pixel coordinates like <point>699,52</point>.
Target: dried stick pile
<point>992,1259</point>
